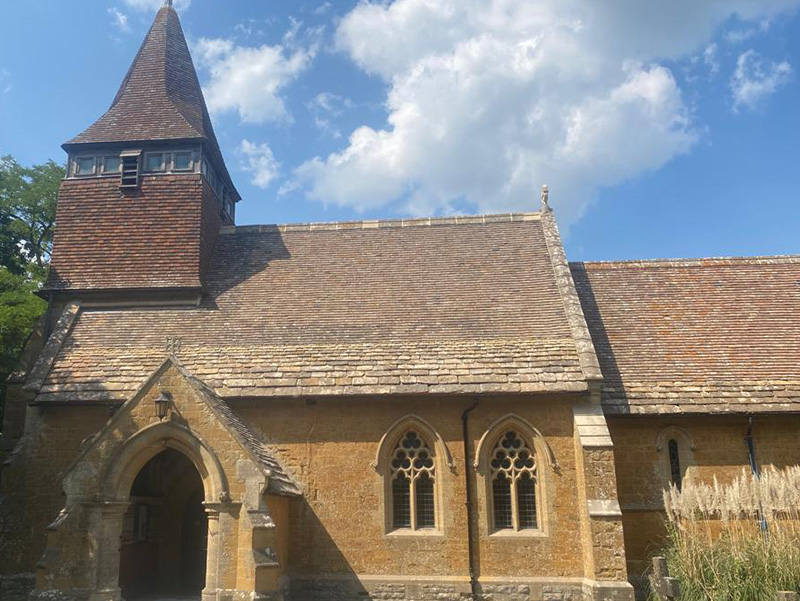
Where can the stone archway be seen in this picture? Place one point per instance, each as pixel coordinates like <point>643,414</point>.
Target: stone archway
<point>164,531</point>
<point>122,484</point>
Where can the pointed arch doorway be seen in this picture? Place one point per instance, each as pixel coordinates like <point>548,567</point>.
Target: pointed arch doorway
<point>165,531</point>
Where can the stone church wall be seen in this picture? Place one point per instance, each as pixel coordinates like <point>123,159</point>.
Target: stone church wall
<point>338,530</point>
<point>719,450</point>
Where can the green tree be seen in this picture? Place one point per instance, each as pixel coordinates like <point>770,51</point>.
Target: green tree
<point>28,198</point>
<point>27,214</point>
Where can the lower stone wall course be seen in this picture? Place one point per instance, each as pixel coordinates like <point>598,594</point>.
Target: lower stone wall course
<point>16,587</point>
<point>356,590</point>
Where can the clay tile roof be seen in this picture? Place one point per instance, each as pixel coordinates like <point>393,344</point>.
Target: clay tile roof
<point>456,305</point>
<point>709,335</point>
<point>160,97</point>
<point>280,482</point>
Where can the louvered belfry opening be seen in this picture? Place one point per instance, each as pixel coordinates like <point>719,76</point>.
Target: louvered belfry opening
<point>149,169</point>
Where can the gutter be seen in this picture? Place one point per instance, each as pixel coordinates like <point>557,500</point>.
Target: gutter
<point>470,501</point>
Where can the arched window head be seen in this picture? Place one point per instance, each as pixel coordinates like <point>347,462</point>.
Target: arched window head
<point>413,478</point>
<point>512,470</point>
<point>675,473</point>
<point>676,448</point>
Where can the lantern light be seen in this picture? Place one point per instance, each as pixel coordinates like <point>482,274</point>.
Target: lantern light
<point>163,402</point>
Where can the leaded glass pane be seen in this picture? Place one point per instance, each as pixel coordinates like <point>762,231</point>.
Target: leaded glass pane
<point>401,505</point>
<point>526,501</point>
<point>501,497</point>
<point>426,516</point>
<point>413,475</point>
<point>513,473</point>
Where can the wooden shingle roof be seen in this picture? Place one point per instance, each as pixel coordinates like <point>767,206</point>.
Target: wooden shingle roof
<point>456,305</point>
<point>709,335</point>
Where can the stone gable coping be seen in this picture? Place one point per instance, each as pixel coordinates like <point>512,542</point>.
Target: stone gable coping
<point>569,297</point>
<point>41,369</point>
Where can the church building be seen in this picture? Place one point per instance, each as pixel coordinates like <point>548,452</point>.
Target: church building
<point>408,409</point>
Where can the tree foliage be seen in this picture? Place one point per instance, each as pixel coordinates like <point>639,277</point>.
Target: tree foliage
<point>27,215</point>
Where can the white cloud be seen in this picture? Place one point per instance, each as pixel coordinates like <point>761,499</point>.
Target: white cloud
<point>326,107</point>
<point>5,81</point>
<point>754,79</point>
<point>260,162</point>
<point>250,80</point>
<point>488,99</point>
<point>119,19</point>
<point>323,9</point>
<point>710,59</point>
<point>154,5</point>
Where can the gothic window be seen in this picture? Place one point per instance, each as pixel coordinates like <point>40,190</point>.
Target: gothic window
<point>513,475</point>
<point>413,478</point>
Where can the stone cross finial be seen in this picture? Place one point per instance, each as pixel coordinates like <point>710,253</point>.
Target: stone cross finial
<point>167,2</point>
<point>545,198</point>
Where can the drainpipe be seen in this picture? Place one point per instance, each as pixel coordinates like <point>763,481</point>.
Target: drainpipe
<point>470,502</point>
<point>751,451</point>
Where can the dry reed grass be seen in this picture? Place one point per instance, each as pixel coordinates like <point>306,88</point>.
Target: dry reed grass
<point>736,542</point>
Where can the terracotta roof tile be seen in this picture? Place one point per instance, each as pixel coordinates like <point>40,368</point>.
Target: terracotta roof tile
<point>398,307</point>
<point>707,335</point>
<point>149,238</point>
<point>160,97</point>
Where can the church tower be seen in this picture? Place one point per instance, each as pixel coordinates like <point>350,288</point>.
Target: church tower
<point>147,189</point>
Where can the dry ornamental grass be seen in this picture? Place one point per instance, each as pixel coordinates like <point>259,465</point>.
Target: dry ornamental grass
<point>736,542</point>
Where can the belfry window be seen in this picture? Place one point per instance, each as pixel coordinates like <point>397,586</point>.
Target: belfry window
<point>111,165</point>
<point>85,166</point>
<point>413,480</point>
<point>182,161</point>
<point>154,162</point>
<point>513,484</point>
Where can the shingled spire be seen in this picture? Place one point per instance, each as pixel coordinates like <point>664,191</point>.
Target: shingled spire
<point>147,190</point>
<point>160,98</point>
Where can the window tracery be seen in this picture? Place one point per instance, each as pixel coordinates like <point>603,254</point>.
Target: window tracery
<point>513,475</point>
<point>413,480</point>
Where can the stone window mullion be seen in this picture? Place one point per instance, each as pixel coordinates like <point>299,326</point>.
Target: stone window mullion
<point>411,460</point>
<point>412,499</point>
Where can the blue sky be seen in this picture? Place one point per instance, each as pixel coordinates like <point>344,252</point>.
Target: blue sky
<point>663,129</point>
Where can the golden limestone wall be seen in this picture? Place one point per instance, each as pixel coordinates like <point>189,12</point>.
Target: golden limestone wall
<point>32,480</point>
<point>719,449</point>
<point>338,530</point>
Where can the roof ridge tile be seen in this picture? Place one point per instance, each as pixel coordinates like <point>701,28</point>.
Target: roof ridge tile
<point>371,224</point>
